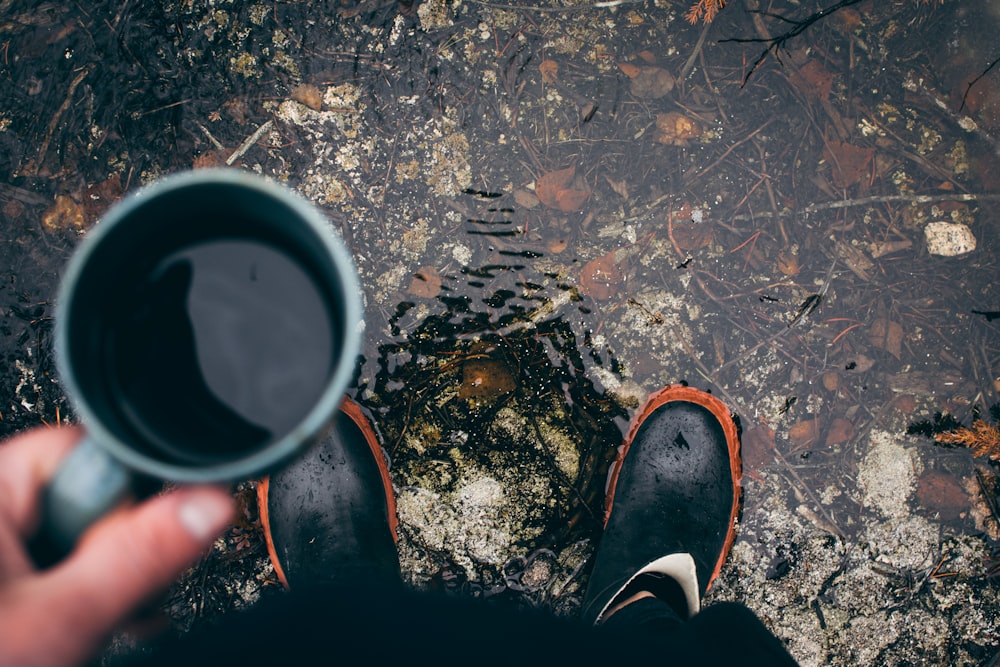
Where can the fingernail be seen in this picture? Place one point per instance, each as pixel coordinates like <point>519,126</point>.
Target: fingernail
<point>205,514</point>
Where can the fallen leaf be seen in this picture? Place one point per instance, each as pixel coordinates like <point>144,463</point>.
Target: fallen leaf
<point>631,71</point>
<point>13,209</point>
<point>675,129</point>
<point>788,263</point>
<point>209,159</point>
<point>647,56</point>
<point>525,199</point>
<point>549,70</point>
<point>426,283</point>
<point>840,432</point>
<point>812,79</point>
<point>485,378</point>
<point>860,363</point>
<point>570,200</point>
<point>600,278</point>
<point>757,450</point>
<point>651,82</point>
<point>693,235</point>
<point>846,20</point>
<point>308,95</point>
<point>556,246</point>
<point>887,335</point>
<point>98,197</point>
<point>620,187</point>
<point>562,190</point>
<point>63,214</point>
<point>804,433</point>
<point>831,380</point>
<point>941,493</point>
<point>849,164</point>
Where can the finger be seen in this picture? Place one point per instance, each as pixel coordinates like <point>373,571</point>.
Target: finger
<point>127,558</point>
<point>27,461</point>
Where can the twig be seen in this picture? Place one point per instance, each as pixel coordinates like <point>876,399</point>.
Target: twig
<point>606,4</point>
<point>215,142</point>
<point>250,141</point>
<point>776,43</point>
<point>916,84</point>
<point>975,81</point>
<point>31,168</point>
<point>865,201</point>
<point>694,53</point>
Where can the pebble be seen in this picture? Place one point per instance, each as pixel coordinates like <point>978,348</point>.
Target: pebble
<point>949,239</point>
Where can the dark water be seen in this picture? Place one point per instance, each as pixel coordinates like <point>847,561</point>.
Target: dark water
<point>689,259</point>
<point>228,347</point>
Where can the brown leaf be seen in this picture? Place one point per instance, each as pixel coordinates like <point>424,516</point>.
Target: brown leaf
<point>693,235</point>
<point>788,263</point>
<point>600,278</point>
<point>209,159</point>
<point>485,378</point>
<point>804,433</point>
<point>570,200</point>
<point>99,197</point>
<point>13,209</point>
<point>525,199</point>
<point>556,246</point>
<point>549,70</point>
<point>426,283</point>
<point>620,187</point>
<point>308,95</point>
<point>840,432</point>
<point>631,71</point>
<point>651,82</point>
<point>887,335</point>
<point>849,164</point>
<point>758,450</point>
<point>560,190</point>
<point>941,493</point>
<point>812,79</point>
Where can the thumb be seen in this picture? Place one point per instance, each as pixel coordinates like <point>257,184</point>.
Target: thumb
<point>129,557</point>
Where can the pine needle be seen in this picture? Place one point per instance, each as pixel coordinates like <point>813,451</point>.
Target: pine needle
<point>705,10</point>
<point>983,438</point>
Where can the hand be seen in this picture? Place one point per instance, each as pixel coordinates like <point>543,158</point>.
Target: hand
<point>63,615</point>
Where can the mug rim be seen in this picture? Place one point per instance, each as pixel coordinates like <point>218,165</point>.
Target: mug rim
<point>319,416</point>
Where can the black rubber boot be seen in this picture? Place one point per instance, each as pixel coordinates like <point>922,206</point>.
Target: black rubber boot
<point>672,504</point>
<point>330,516</point>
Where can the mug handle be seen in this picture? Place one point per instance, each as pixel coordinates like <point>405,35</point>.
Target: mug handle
<point>86,486</point>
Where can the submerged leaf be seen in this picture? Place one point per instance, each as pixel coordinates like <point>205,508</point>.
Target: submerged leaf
<point>562,190</point>
<point>549,70</point>
<point>601,278</point>
<point>849,164</point>
<point>426,283</point>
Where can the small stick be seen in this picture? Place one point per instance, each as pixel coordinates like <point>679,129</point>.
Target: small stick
<point>32,168</point>
<point>694,54</point>
<point>865,201</point>
<point>215,142</point>
<point>250,141</point>
<point>606,4</point>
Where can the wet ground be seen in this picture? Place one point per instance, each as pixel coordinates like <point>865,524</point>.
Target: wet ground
<point>556,208</point>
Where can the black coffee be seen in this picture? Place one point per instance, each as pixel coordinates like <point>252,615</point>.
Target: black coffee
<point>221,349</point>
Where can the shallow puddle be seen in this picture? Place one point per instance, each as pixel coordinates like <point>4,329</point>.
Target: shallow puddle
<point>557,208</point>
